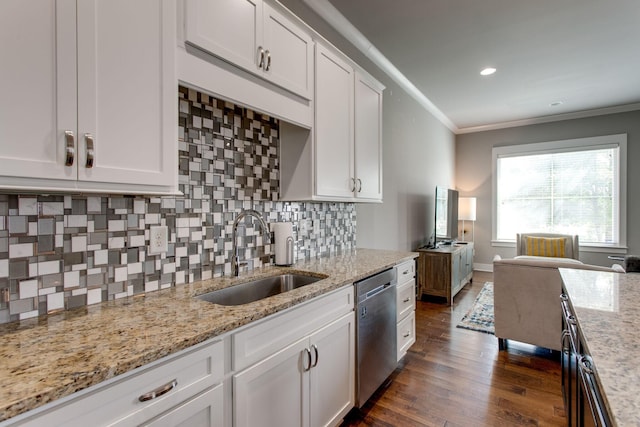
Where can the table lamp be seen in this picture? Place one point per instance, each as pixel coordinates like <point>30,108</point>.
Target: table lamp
<point>467,212</point>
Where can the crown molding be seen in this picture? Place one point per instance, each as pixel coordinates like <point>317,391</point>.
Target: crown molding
<point>548,119</point>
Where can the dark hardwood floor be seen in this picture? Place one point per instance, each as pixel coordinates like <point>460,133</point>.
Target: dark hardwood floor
<point>456,377</point>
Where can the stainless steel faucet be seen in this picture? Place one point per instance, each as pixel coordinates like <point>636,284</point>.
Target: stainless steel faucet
<point>235,260</point>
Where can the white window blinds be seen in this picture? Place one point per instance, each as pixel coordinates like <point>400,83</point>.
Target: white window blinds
<point>559,188</point>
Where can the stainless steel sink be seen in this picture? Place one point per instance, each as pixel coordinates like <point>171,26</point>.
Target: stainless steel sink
<point>255,290</point>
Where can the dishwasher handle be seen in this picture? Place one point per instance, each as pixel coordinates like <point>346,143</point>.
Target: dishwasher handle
<point>376,291</point>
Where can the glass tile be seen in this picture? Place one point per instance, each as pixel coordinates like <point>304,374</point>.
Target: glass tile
<point>46,226</point>
<point>46,244</point>
<point>18,225</point>
<point>18,269</point>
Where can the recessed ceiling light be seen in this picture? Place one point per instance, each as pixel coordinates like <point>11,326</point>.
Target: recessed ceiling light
<point>487,71</point>
<point>555,104</point>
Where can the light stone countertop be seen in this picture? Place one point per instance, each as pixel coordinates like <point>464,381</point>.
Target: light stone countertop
<point>607,307</point>
<point>53,356</point>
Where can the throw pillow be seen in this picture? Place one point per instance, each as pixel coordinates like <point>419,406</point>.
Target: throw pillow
<point>546,246</point>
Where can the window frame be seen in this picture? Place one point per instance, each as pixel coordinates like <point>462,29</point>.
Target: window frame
<point>568,145</point>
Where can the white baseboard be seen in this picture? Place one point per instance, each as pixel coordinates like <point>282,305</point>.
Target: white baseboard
<point>483,267</point>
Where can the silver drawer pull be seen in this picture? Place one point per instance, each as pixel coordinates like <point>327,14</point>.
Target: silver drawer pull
<point>159,391</point>
<point>90,147</point>
<point>70,148</point>
<point>406,335</point>
<point>406,300</point>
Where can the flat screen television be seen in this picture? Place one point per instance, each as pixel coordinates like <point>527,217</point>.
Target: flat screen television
<point>446,216</point>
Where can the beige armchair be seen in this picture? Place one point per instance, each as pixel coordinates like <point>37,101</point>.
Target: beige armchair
<point>527,290</point>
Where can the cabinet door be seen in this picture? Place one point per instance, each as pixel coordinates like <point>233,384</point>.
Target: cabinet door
<point>229,29</point>
<point>435,276</point>
<point>469,260</point>
<point>38,86</point>
<point>368,139</point>
<point>332,375</point>
<point>334,126</point>
<point>205,410</point>
<point>456,270</point>
<point>127,91</point>
<point>275,391</point>
<point>289,61</point>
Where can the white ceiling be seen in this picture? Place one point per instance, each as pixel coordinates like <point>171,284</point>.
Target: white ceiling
<point>583,53</point>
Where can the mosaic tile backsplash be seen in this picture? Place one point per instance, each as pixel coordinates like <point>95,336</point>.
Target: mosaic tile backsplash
<point>64,251</point>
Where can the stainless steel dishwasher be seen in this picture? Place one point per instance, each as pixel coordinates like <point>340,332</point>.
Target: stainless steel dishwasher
<point>376,332</point>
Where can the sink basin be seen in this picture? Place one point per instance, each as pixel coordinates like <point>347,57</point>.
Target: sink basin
<point>258,289</point>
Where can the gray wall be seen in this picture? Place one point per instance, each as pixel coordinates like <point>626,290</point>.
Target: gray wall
<point>418,154</point>
<point>473,171</point>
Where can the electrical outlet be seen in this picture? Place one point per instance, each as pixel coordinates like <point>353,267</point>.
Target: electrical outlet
<point>158,240</point>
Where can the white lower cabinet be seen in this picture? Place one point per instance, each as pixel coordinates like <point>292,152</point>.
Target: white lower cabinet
<point>332,375</point>
<point>275,391</point>
<point>406,307</point>
<point>308,383</point>
<point>183,389</point>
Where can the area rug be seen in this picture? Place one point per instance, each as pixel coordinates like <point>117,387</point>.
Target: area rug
<point>480,316</point>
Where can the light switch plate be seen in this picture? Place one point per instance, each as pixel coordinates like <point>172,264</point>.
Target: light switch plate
<point>158,240</point>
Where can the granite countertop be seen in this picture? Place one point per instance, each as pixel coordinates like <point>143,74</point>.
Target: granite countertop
<point>53,356</point>
<point>606,306</point>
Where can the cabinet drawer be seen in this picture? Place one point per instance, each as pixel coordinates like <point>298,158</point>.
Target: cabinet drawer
<point>118,402</point>
<point>406,299</point>
<point>204,410</point>
<point>405,272</point>
<point>406,334</point>
<point>278,331</point>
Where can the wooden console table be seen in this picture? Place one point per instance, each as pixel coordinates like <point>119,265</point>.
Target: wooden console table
<point>442,272</point>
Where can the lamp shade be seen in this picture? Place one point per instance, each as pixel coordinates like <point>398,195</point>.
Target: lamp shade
<point>467,209</point>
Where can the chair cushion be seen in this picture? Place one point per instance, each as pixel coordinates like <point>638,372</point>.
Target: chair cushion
<point>548,259</point>
<point>545,246</point>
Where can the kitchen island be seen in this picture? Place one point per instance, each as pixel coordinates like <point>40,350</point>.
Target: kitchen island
<point>51,357</point>
<point>606,307</point>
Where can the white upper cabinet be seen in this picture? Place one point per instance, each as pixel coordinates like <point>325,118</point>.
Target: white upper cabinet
<point>348,131</point>
<point>89,98</point>
<point>334,151</point>
<point>127,91</point>
<point>255,37</point>
<point>368,138</point>
<point>229,29</point>
<point>38,86</point>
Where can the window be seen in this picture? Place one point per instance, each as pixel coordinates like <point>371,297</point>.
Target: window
<point>574,187</point>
